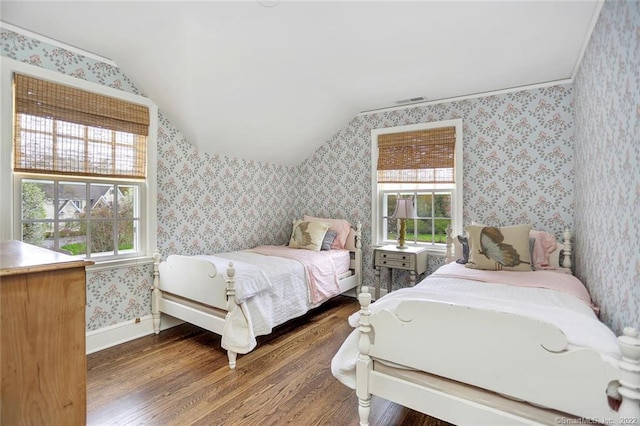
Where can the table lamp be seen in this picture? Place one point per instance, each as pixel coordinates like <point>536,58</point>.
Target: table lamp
<point>405,209</point>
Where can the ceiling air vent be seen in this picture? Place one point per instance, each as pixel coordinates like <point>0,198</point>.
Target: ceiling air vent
<point>411,100</point>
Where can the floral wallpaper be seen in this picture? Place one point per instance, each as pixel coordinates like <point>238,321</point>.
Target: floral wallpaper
<point>607,163</point>
<point>518,163</point>
<point>113,295</point>
<point>210,204</point>
<point>118,294</point>
<point>521,164</point>
<point>44,55</point>
<point>205,203</point>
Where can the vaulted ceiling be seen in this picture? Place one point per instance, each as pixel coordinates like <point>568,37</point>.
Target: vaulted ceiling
<point>273,80</point>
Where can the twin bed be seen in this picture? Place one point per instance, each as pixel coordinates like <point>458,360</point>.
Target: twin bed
<point>503,333</point>
<point>243,294</point>
<point>486,347</point>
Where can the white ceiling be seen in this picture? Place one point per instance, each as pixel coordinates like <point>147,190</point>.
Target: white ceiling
<point>273,80</point>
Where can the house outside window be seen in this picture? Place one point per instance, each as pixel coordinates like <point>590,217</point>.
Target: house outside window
<point>84,218</point>
<point>80,183</point>
<point>436,188</point>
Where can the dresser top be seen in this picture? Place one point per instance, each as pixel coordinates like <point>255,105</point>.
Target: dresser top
<point>17,257</point>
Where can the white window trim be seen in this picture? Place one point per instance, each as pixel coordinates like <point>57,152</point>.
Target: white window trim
<point>377,237</point>
<point>9,211</point>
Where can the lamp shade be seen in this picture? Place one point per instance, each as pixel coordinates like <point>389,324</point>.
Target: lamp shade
<point>405,209</point>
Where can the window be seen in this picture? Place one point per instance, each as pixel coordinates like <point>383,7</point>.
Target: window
<point>85,218</point>
<point>423,162</point>
<point>433,215</point>
<point>80,157</point>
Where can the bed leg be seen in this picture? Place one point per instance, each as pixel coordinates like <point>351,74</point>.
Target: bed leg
<point>156,323</point>
<point>629,389</point>
<point>232,359</point>
<point>364,408</point>
<point>156,294</point>
<point>231,305</point>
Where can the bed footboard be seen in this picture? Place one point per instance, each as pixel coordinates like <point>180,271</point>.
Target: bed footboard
<point>191,279</point>
<point>512,355</point>
<point>192,290</point>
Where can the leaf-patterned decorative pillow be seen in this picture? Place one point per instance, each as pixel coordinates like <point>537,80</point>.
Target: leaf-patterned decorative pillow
<point>504,248</point>
<point>308,234</point>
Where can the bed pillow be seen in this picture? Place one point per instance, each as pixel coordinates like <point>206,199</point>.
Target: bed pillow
<point>544,245</point>
<point>341,226</point>
<point>464,242</point>
<point>308,234</point>
<point>499,248</point>
<point>328,239</point>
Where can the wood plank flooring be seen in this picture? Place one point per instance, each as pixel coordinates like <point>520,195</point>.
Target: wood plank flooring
<point>181,377</point>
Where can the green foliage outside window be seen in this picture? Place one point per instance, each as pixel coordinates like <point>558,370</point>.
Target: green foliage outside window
<point>434,215</point>
<point>106,227</point>
<point>102,227</point>
<point>33,199</point>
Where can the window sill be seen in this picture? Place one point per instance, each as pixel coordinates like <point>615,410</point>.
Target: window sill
<point>119,263</point>
<point>437,252</point>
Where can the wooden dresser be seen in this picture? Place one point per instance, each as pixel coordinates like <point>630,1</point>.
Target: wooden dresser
<point>42,333</point>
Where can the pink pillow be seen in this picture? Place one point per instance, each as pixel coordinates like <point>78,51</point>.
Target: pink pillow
<point>543,247</point>
<point>341,226</point>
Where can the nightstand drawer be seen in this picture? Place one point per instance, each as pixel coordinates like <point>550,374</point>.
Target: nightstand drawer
<point>402,257</point>
<point>395,260</point>
<point>398,264</point>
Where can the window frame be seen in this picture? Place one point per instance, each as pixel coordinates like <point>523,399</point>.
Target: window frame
<point>10,181</point>
<point>139,216</point>
<point>379,226</point>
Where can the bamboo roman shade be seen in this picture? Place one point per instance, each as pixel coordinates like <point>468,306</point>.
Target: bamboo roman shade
<point>65,130</point>
<point>421,156</point>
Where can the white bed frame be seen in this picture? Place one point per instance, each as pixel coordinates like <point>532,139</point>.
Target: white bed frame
<point>475,366</point>
<point>192,290</point>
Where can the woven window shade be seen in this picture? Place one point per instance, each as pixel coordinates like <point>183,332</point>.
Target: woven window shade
<point>65,130</point>
<point>423,156</point>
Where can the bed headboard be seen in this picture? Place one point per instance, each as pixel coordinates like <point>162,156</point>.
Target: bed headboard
<point>559,259</point>
<point>354,240</point>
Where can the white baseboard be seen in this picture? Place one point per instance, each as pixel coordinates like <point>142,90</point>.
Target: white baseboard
<point>351,293</point>
<point>116,334</point>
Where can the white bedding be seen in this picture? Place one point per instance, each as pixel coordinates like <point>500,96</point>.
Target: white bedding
<point>270,291</point>
<point>573,316</point>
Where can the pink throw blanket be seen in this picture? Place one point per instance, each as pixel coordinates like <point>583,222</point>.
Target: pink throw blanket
<point>322,278</point>
<point>553,280</point>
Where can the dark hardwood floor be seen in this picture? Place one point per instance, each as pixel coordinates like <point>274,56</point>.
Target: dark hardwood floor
<point>181,377</point>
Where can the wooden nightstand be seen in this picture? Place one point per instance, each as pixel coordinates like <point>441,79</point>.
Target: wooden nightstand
<point>413,259</point>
